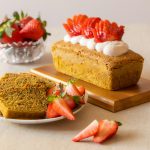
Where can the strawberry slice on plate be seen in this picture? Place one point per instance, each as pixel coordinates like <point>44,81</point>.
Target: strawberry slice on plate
<point>54,91</point>
<point>72,90</point>
<point>89,131</point>
<point>51,113</point>
<point>62,108</point>
<point>106,130</point>
<point>81,89</point>
<point>70,101</point>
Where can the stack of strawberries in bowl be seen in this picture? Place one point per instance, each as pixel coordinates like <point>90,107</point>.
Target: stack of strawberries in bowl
<point>21,38</point>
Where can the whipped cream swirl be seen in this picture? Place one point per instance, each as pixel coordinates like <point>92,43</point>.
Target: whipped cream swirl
<point>110,48</point>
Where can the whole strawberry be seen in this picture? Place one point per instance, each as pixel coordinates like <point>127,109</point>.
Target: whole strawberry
<point>10,34</point>
<point>32,30</point>
<point>22,27</point>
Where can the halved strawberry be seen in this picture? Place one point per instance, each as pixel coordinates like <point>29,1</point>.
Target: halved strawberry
<point>72,90</point>
<point>89,25</point>
<point>89,131</point>
<point>106,130</point>
<point>14,37</point>
<point>54,91</point>
<point>62,108</point>
<point>74,26</point>
<point>106,31</point>
<point>51,113</point>
<point>69,100</point>
<point>81,89</point>
<point>33,30</point>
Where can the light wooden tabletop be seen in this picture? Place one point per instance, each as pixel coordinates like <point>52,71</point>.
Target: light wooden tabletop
<point>133,135</point>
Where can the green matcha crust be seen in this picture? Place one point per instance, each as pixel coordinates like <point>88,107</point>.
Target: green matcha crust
<point>23,96</point>
<point>112,73</point>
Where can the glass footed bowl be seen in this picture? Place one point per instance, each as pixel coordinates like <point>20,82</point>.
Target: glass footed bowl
<point>22,52</point>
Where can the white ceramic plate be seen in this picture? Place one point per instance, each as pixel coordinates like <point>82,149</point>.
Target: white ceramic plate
<point>41,121</point>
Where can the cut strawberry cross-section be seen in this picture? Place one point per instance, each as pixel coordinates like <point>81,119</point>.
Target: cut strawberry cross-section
<point>89,131</point>
<point>74,26</point>
<point>105,131</point>
<point>89,26</point>
<point>106,31</point>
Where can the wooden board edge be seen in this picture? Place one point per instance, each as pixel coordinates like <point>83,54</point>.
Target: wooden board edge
<point>130,102</point>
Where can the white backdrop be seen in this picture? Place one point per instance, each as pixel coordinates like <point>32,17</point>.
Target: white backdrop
<point>56,11</point>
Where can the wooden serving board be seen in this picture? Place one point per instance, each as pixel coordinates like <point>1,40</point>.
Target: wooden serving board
<point>111,100</point>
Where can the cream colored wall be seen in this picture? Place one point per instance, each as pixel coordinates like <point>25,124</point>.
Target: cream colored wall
<point>56,11</point>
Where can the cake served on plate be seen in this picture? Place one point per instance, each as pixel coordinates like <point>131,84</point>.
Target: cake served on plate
<point>27,96</point>
<point>93,51</point>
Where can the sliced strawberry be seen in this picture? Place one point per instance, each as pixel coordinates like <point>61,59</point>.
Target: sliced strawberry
<point>106,130</point>
<point>54,91</point>
<point>51,113</point>
<point>89,26</point>
<point>62,108</point>
<point>69,100</point>
<point>81,89</point>
<point>25,20</point>
<point>74,26</point>
<point>33,30</point>
<point>15,37</point>
<point>72,90</point>
<point>106,31</point>
<point>89,131</point>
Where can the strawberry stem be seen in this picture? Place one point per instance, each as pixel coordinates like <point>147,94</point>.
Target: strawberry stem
<point>119,123</point>
<point>72,80</point>
<point>51,98</point>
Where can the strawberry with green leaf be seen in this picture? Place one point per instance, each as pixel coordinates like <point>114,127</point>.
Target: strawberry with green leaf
<point>51,113</point>
<point>9,32</point>
<point>33,30</point>
<point>22,27</point>
<point>61,102</point>
<point>62,108</point>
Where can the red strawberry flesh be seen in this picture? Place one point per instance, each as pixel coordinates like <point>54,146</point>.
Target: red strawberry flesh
<point>89,131</point>
<point>106,130</point>
<point>62,108</point>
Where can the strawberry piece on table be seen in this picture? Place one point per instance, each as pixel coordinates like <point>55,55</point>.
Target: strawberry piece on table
<point>33,30</point>
<point>106,31</point>
<point>89,26</point>
<point>89,131</point>
<point>106,130</point>
<point>62,108</point>
<point>11,37</point>
<point>74,26</point>
<point>51,113</point>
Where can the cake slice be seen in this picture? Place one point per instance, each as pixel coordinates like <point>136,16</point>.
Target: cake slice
<point>28,103</point>
<point>23,95</point>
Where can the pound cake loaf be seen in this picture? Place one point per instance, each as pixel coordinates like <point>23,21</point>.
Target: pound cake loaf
<point>93,51</point>
<point>24,96</point>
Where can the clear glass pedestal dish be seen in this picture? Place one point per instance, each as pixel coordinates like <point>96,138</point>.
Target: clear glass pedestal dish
<point>22,52</point>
